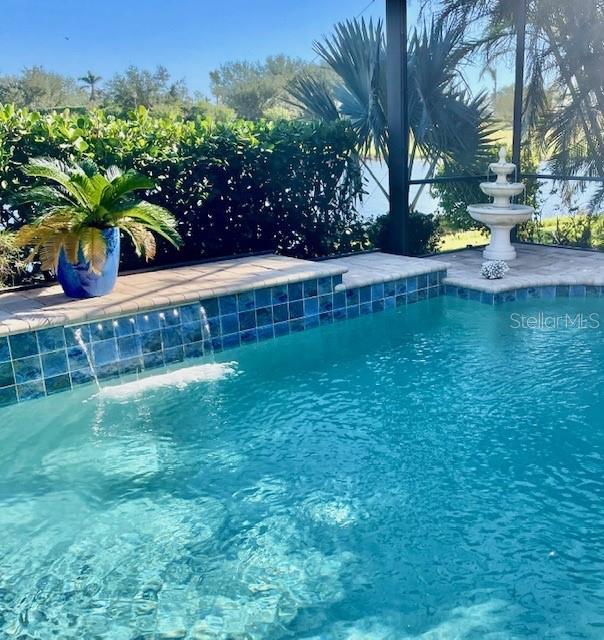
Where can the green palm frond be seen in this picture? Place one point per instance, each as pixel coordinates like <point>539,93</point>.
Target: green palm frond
<point>59,172</point>
<point>124,183</point>
<point>81,204</point>
<point>314,97</point>
<point>357,53</point>
<point>563,115</point>
<point>155,218</point>
<point>447,123</point>
<point>46,195</point>
<point>92,186</point>
<point>536,103</point>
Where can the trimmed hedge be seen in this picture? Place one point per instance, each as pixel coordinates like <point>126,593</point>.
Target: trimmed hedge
<point>235,187</point>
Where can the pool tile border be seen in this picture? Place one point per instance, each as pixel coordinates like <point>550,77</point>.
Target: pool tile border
<point>48,361</point>
<point>546,292</point>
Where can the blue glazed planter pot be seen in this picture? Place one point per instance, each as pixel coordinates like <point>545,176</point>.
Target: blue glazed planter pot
<point>79,282</point>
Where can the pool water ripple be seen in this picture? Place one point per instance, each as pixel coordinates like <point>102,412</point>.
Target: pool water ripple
<point>418,474</point>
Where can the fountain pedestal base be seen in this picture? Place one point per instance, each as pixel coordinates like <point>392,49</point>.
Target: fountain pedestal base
<point>500,247</point>
<point>500,220</point>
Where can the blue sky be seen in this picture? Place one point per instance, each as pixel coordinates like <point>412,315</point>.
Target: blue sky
<point>190,37</point>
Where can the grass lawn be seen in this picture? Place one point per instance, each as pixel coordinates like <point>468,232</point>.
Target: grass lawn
<point>463,239</point>
<point>545,234</point>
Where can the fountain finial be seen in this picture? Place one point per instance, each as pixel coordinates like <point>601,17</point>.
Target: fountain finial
<point>502,155</point>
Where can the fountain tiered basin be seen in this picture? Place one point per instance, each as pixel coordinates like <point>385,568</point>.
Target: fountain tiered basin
<point>501,216</point>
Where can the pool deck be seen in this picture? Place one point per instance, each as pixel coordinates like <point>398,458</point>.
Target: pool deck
<point>535,266</point>
<point>371,268</point>
<point>47,306</point>
<point>42,307</point>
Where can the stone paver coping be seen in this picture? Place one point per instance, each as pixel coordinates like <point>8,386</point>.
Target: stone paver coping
<point>535,266</point>
<point>47,306</point>
<point>371,268</point>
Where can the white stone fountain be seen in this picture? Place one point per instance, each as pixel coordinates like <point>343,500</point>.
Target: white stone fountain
<point>501,216</point>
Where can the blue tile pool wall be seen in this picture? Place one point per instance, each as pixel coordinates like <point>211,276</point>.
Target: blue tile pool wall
<point>50,360</point>
<point>525,293</point>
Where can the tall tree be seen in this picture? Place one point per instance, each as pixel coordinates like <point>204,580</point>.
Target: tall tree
<point>564,54</point>
<point>253,89</point>
<point>37,88</point>
<point>91,81</point>
<point>142,87</point>
<point>504,104</point>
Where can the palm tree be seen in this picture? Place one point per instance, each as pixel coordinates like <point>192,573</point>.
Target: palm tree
<point>80,203</point>
<point>564,90</point>
<point>449,127</point>
<point>91,81</point>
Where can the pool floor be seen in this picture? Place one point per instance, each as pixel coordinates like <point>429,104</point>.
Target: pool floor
<point>432,472</point>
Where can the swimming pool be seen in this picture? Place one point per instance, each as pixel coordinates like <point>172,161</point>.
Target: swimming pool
<point>433,471</point>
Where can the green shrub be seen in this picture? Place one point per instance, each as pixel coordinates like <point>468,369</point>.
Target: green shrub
<point>10,259</point>
<point>583,230</point>
<point>454,197</point>
<point>234,187</point>
<point>424,233</point>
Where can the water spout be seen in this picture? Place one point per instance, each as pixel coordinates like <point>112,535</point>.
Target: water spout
<point>84,348</point>
<point>206,333</point>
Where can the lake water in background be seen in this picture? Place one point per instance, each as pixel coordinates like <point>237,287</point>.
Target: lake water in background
<point>551,202</point>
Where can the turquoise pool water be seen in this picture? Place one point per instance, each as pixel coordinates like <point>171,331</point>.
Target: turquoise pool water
<point>429,473</point>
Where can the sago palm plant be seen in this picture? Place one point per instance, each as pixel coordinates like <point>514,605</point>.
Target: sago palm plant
<point>80,203</point>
